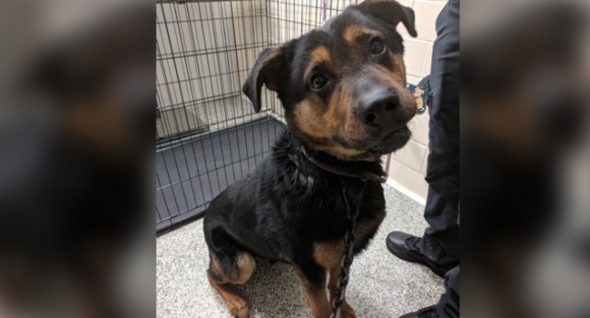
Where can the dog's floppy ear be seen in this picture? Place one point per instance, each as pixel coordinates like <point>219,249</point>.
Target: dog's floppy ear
<point>266,71</point>
<point>391,12</point>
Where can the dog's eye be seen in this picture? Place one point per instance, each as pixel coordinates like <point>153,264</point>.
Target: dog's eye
<point>317,81</point>
<point>376,45</point>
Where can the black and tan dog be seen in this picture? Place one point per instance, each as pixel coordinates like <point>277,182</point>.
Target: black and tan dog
<point>343,90</point>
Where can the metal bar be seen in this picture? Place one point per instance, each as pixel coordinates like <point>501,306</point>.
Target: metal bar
<point>205,48</point>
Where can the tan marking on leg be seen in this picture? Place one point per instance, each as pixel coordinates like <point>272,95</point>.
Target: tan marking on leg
<point>328,254</point>
<point>246,264</point>
<point>346,309</point>
<point>224,282</point>
<point>237,305</point>
<point>216,269</point>
<point>315,296</point>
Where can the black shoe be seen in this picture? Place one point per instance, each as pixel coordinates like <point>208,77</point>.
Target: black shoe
<point>428,312</point>
<point>405,246</point>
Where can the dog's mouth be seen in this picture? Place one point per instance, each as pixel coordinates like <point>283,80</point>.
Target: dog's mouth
<point>392,141</point>
<point>376,146</point>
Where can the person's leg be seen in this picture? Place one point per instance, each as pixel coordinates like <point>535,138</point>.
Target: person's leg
<point>448,304</point>
<point>441,239</point>
<point>439,247</point>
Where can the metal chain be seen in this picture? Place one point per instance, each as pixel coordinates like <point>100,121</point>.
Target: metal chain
<point>348,254</point>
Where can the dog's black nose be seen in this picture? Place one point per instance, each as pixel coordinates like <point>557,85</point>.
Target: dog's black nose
<point>377,106</point>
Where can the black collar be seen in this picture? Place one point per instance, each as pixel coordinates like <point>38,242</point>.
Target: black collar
<point>364,176</point>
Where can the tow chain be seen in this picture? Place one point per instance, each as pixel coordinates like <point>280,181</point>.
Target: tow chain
<point>348,254</point>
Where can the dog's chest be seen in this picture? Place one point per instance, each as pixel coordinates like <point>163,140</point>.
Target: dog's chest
<point>328,213</point>
<point>329,253</point>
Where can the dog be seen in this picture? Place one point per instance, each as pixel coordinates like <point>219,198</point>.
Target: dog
<point>343,90</point>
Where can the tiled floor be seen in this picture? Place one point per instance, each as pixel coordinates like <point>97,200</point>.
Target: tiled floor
<point>381,285</point>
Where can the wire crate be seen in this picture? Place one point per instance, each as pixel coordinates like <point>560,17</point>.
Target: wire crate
<point>208,134</point>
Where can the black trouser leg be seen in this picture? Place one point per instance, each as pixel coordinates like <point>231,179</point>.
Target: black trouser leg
<point>441,239</point>
<point>448,305</point>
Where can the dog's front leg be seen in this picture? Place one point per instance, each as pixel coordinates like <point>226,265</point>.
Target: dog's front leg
<point>346,310</point>
<point>328,255</point>
<point>312,279</point>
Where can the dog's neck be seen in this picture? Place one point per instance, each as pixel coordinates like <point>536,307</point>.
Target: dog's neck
<point>362,170</point>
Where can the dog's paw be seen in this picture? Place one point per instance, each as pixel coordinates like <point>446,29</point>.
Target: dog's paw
<point>347,311</point>
<point>238,307</point>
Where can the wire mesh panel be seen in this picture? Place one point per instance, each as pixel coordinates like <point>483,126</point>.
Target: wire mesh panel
<point>208,134</point>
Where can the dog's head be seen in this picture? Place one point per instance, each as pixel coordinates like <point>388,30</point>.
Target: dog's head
<point>343,85</point>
